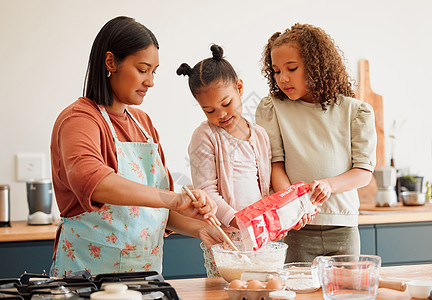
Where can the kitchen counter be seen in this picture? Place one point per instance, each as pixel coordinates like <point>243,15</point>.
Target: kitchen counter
<point>369,215</point>
<point>21,231</point>
<point>213,288</point>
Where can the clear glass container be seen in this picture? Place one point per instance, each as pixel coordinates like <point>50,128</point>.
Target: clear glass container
<point>349,276</point>
<point>300,277</point>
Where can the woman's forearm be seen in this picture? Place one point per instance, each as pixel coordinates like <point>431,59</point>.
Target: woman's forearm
<point>114,189</point>
<point>184,225</point>
<point>210,235</point>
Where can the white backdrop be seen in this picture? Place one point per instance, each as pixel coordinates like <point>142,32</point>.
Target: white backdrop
<point>45,46</point>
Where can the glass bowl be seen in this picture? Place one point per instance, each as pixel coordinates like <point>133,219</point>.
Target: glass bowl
<point>231,264</point>
<point>300,277</point>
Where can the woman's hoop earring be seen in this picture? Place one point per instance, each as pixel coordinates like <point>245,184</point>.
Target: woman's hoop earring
<point>109,74</point>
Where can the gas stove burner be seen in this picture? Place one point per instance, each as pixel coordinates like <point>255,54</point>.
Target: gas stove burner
<point>154,296</point>
<point>60,291</point>
<point>80,285</point>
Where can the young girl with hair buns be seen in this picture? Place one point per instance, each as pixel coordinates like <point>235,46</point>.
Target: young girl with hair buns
<point>318,134</point>
<point>229,156</point>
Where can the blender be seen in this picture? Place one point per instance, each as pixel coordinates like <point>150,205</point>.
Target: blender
<point>39,198</point>
<point>386,181</point>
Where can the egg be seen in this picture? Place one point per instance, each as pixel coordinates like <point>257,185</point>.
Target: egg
<point>236,284</point>
<point>279,280</point>
<point>274,283</point>
<point>255,285</point>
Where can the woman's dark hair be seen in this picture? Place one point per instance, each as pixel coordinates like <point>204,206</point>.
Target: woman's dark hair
<point>326,75</point>
<point>208,71</point>
<point>122,36</point>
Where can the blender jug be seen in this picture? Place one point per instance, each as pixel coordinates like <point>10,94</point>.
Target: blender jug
<point>39,198</point>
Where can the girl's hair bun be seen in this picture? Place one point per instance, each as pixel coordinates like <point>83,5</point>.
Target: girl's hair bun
<point>217,52</point>
<point>184,69</point>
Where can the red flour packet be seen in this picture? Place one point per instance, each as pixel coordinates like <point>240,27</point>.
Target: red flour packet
<point>264,220</point>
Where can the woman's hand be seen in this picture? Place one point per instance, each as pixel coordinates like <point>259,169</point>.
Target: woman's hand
<point>320,191</point>
<point>202,209</point>
<point>210,235</point>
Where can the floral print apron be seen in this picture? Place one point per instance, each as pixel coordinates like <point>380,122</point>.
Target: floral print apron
<point>118,238</point>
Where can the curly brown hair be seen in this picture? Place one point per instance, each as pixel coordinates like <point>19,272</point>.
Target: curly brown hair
<point>326,75</point>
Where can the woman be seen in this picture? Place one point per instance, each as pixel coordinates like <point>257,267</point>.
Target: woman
<point>112,187</point>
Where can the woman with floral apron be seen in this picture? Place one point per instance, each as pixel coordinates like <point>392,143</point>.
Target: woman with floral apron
<point>138,250</point>
<point>109,174</point>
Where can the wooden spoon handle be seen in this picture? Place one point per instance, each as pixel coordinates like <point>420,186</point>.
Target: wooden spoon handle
<point>224,235</point>
<point>393,284</point>
<point>212,220</point>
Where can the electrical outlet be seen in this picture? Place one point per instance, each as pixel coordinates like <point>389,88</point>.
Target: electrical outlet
<point>30,166</point>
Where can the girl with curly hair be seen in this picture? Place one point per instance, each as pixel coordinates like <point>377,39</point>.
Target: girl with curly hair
<point>318,134</point>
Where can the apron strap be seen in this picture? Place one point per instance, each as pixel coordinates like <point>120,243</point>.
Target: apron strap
<point>57,238</point>
<point>149,138</point>
<point>108,120</point>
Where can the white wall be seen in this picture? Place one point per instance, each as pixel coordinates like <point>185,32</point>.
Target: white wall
<point>45,46</point>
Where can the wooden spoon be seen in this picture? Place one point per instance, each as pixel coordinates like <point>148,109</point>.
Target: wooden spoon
<point>212,220</point>
<point>244,258</point>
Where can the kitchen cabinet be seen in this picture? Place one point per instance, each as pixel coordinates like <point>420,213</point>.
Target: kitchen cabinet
<point>400,239</point>
<point>367,239</point>
<point>398,243</point>
<point>29,256</point>
<point>183,257</point>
